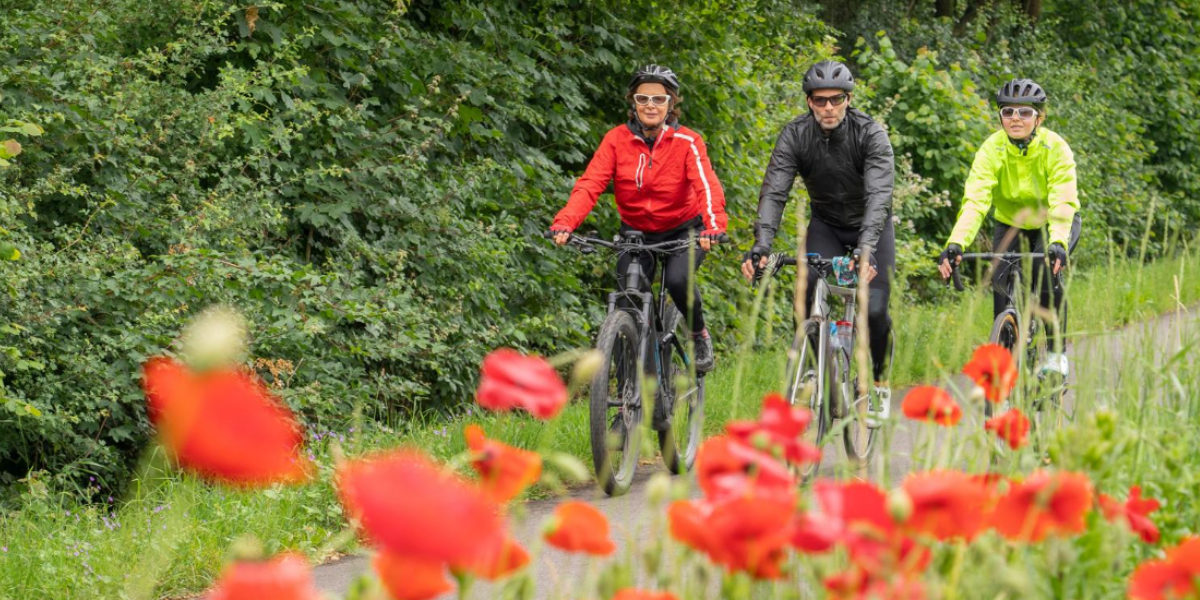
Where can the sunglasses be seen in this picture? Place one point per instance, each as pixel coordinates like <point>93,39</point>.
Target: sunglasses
<point>657,100</point>
<point>1026,113</point>
<point>824,100</point>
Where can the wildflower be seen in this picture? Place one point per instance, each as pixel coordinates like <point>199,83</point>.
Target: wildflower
<point>286,577</point>
<point>748,533</point>
<point>929,403</point>
<point>497,561</point>
<point>411,579</point>
<point>635,594</point>
<point>511,380</point>
<point>726,467</point>
<point>224,424</point>
<point>1136,512</point>
<point>1044,503</point>
<point>779,427</point>
<point>579,527</point>
<point>1012,427</point>
<point>412,507</point>
<point>505,471</point>
<point>1172,577</point>
<point>993,369</point>
<point>946,504</point>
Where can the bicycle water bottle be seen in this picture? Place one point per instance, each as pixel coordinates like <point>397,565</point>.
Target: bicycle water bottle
<point>835,340</point>
<point>845,335</point>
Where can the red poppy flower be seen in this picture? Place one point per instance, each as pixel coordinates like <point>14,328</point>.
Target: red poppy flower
<point>747,534</point>
<point>778,428</point>
<point>1012,427</point>
<point>929,403</point>
<point>1136,512</point>
<point>857,585</point>
<point>726,467</point>
<point>632,594</point>
<point>413,507</point>
<point>854,504</point>
<point>946,504</point>
<point>224,425</point>
<point>411,579</point>
<point>579,527</point>
<point>859,510</point>
<point>993,369</point>
<point>814,534</point>
<point>1172,577</point>
<point>1044,503</point>
<point>285,577</point>
<point>496,561</point>
<point>505,471</point>
<point>511,380</point>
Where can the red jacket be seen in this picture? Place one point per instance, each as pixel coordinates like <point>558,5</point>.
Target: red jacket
<point>656,190</point>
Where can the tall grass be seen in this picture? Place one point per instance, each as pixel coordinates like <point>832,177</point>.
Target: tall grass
<point>1136,423</point>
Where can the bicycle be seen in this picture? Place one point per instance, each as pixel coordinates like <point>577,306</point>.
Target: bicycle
<point>822,371</point>
<point>1024,334</point>
<point>639,335</point>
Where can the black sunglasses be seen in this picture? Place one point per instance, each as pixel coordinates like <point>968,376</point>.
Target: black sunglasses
<point>823,100</point>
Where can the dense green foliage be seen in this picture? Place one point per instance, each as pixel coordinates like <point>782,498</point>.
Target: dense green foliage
<point>366,179</point>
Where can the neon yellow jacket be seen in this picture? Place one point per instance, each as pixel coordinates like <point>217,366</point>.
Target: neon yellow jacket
<point>1027,190</point>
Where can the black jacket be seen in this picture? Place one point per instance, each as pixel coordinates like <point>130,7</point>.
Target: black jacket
<point>849,175</point>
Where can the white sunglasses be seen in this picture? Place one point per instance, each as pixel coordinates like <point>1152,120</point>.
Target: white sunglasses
<point>657,99</point>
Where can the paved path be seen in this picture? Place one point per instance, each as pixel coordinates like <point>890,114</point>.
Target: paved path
<point>1100,357</point>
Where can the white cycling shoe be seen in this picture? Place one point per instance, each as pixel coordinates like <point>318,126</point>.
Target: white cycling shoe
<point>879,406</point>
<point>1056,364</point>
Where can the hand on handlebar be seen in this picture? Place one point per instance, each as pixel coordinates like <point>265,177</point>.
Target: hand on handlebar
<point>872,272</point>
<point>755,262</point>
<point>953,252</point>
<point>560,236</point>
<point>1058,257</point>
<point>708,239</point>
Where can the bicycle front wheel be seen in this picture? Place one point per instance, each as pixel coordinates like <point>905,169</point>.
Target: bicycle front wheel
<point>808,383</point>
<point>1006,333</point>
<point>616,412</point>
<point>858,436</point>
<point>683,395</point>
<point>1044,390</point>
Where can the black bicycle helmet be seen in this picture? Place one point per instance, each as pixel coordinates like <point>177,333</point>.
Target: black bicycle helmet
<point>828,74</point>
<point>1021,91</point>
<point>655,74</point>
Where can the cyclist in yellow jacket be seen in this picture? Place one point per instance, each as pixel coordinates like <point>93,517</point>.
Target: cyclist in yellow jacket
<point>1027,174</point>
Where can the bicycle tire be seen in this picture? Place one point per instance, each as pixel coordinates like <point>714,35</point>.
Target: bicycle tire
<point>683,391</point>
<point>1044,391</point>
<point>1006,334</point>
<point>616,429</point>
<point>858,437</point>
<point>808,385</point>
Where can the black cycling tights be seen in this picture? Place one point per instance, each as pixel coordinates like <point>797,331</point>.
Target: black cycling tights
<point>830,241</point>
<point>680,280</point>
<point>1007,238</point>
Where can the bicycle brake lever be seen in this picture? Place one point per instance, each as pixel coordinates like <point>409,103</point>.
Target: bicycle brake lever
<point>958,284</point>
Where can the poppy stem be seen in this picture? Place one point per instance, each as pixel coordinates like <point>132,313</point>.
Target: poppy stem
<point>960,551</point>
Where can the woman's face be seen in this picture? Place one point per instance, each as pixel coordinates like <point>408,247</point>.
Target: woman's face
<point>651,114</point>
<point>1018,127</point>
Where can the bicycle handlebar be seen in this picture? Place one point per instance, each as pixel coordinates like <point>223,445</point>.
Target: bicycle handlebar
<point>585,243</point>
<point>996,256</point>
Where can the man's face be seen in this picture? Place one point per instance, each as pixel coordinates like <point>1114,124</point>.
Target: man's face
<point>829,106</point>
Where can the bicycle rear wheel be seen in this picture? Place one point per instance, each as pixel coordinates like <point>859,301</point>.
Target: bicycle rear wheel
<point>683,395</point>
<point>808,383</point>
<point>616,410</point>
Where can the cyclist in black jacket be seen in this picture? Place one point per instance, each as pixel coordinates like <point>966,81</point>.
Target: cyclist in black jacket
<point>846,161</point>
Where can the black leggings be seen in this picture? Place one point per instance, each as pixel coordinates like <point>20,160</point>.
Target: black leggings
<point>1007,238</point>
<point>830,241</point>
<point>680,280</point>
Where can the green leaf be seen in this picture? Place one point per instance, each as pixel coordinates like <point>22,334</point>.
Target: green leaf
<point>9,149</point>
<point>9,251</point>
<point>32,129</point>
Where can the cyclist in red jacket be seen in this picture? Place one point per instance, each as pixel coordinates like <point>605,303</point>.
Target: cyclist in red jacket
<point>664,186</point>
